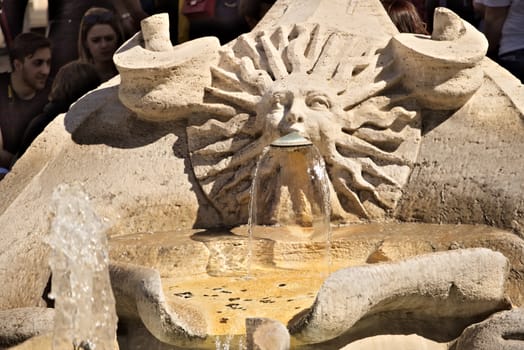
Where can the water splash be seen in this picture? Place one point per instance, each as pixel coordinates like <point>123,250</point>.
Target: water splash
<point>227,342</point>
<point>84,303</point>
<point>290,194</point>
<point>251,223</point>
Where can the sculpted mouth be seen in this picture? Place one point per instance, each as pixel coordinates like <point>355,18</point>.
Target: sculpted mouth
<point>298,128</point>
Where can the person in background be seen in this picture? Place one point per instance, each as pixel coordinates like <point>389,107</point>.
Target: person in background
<point>14,13</point>
<point>225,23</point>
<point>23,92</point>
<point>131,12</point>
<point>64,17</point>
<point>72,81</point>
<point>405,16</point>
<point>3,171</point>
<point>100,35</point>
<point>253,10</point>
<point>504,29</point>
<point>478,7</point>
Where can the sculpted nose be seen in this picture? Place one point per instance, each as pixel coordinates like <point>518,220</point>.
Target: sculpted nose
<point>295,115</point>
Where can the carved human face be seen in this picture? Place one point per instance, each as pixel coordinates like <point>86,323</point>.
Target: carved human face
<point>295,106</point>
<point>328,87</point>
<point>101,41</point>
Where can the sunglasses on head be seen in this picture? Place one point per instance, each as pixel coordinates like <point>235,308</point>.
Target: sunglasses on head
<point>104,17</point>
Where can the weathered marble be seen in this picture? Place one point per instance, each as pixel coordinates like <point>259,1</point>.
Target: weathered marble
<point>411,128</point>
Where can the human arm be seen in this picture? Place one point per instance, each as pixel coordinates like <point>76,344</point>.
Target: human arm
<point>131,13</point>
<point>494,18</point>
<point>479,8</point>
<point>5,158</point>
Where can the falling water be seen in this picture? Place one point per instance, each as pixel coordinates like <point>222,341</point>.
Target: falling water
<point>229,342</point>
<point>252,212</point>
<point>290,192</point>
<point>84,304</point>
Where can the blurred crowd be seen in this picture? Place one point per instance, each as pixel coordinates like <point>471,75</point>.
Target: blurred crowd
<point>51,68</point>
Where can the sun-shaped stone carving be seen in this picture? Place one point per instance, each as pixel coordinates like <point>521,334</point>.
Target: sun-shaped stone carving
<point>329,86</point>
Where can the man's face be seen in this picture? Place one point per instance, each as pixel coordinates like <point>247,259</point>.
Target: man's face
<point>35,68</point>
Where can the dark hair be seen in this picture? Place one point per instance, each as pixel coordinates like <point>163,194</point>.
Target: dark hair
<point>405,16</point>
<point>255,9</point>
<point>92,17</point>
<point>73,80</point>
<point>26,44</point>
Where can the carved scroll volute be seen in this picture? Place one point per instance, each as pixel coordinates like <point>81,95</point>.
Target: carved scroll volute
<point>161,82</point>
<point>443,71</point>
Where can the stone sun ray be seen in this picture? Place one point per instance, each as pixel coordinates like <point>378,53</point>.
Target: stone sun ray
<point>356,93</point>
<point>371,168</point>
<point>281,39</point>
<point>276,65</point>
<point>351,143</point>
<point>242,99</point>
<point>297,50</point>
<point>315,44</point>
<point>230,79</point>
<point>391,138</point>
<point>226,146</point>
<point>248,45</point>
<point>239,176</point>
<point>344,191</point>
<point>217,110</point>
<point>255,77</point>
<point>228,58</point>
<point>375,116</point>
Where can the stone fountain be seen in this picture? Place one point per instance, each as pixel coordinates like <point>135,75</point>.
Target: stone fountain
<point>422,140</point>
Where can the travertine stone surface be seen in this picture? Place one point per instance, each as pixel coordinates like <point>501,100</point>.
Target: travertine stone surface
<point>171,143</point>
<point>352,246</point>
<point>18,325</point>
<point>444,72</point>
<point>155,32</point>
<point>435,295</point>
<point>162,85</point>
<point>503,330</point>
<point>139,296</point>
<point>371,93</point>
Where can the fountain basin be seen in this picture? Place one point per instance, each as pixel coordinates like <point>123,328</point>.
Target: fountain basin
<point>288,273</point>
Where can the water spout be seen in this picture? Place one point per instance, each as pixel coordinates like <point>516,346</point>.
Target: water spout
<point>290,193</point>
<point>85,315</point>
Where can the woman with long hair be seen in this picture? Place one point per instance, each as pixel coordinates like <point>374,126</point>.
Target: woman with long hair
<point>405,16</point>
<point>99,37</point>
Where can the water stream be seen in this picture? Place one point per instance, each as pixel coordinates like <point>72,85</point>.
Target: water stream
<point>84,303</point>
<point>290,195</point>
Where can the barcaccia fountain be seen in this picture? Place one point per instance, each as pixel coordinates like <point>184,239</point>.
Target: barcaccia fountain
<point>420,140</point>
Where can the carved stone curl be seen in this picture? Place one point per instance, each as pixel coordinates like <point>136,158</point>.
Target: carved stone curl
<point>161,82</point>
<point>443,70</point>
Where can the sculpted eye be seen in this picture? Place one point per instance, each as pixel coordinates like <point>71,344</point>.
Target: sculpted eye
<point>318,101</point>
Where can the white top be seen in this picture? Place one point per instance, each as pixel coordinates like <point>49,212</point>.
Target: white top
<point>513,30</point>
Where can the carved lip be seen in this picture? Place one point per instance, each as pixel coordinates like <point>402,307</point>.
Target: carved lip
<point>293,139</point>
